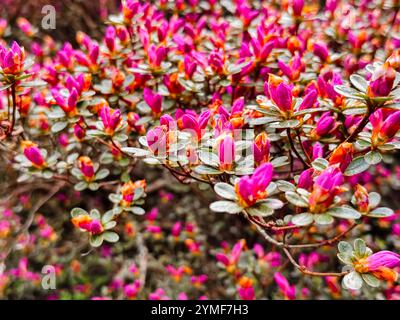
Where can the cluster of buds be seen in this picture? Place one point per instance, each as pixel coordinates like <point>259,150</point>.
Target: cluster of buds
<point>251,189</point>
<point>33,154</point>
<point>11,62</point>
<point>129,190</point>
<point>87,223</point>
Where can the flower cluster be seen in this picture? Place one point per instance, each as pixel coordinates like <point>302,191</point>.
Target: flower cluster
<point>285,115</point>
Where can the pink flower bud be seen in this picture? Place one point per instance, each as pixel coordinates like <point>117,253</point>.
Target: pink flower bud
<point>33,154</point>
<point>86,166</point>
<point>382,80</point>
<point>110,118</point>
<point>226,152</point>
<point>153,100</point>
<point>280,93</point>
<point>251,189</point>
<point>286,289</point>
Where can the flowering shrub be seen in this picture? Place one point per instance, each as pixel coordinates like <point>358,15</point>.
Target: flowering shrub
<point>204,149</point>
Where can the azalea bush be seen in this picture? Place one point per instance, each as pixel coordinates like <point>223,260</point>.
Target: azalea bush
<point>204,150</point>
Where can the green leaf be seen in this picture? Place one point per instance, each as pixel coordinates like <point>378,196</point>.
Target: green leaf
<point>110,225</point>
<point>260,210</point>
<point>345,258</point>
<point>262,120</point>
<point>285,124</point>
<point>381,212</point>
<point>371,280</point>
<point>323,219</point>
<point>93,186</point>
<point>351,111</point>
<point>206,170</point>
<point>358,165</point>
<point>81,186</point>
<point>110,236</point>
<point>359,82</point>
<point>374,199</point>
<point>58,126</point>
<point>225,190</point>
<point>360,247</point>
<point>138,210</point>
<point>320,164</point>
<point>95,214</point>
<point>77,212</point>
<point>352,281</point>
<point>102,173</point>
<point>373,157</point>
<point>347,92</point>
<point>225,206</point>
<point>344,213</point>
<point>296,199</point>
<point>279,161</point>
<point>345,247</point>
<point>137,152</point>
<point>120,137</point>
<point>285,186</point>
<point>302,219</point>
<point>108,216</point>
<point>273,203</point>
<point>96,240</point>
<point>115,198</point>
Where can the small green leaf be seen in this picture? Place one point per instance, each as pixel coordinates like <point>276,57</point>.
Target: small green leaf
<point>109,225</point>
<point>225,190</point>
<point>347,92</point>
<point>320,164</point>
<point>358,165</point>
<point>101,174</point>
<point>273,203</point>
<point>359,82</point>
<point>373,157</point>
<point>110,236</point>
<point>78,211</point>
<point>285,124</point>
<point>93,186</point>
<point>345,258</point>
<point>360,247</point>
<point>81,186</point>
<point>352,281</point>
<point>345,247</point>
<point>58,126</point>
<point>381,212</point>
<point>137,152</point>
<point>296,199</point>
<point>371,280</point>
<point>302,219</point>
<point>108,216</point>
<point>225,206</point>
<point>279,161</point>
<point>374,199</point>
<point>285,186</point>
<point>260,210</point>
<point>206,170</point>
<point>96,240</point>
<point>138,210</point>
<point>344,213</point>
<point>323,219</point>
<point>120,137</point>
